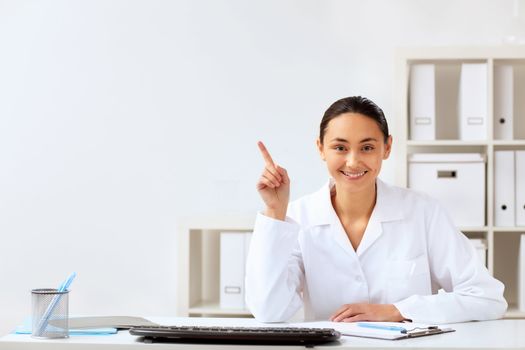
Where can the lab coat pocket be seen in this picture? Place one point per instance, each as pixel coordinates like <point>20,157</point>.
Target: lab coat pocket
<point>406,278</point>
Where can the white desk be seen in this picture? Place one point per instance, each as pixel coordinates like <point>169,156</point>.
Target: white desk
<point>501,334</point>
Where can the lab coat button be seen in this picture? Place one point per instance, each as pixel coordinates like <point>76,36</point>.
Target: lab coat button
<point>358,278</point>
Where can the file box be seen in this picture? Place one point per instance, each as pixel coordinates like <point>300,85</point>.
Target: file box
<point>422,102</point>
<point>233,254</point>
<point>504,189</point>
<point>473,87</point>
<point>457,180</point>
<point>521,274</point>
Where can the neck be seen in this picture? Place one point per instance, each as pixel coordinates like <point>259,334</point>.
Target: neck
<point>352,205</point>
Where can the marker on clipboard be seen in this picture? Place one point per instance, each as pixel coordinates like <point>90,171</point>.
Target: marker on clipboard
<point>382,327</point>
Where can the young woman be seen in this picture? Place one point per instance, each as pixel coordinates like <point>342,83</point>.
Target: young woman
<point>359,249</point>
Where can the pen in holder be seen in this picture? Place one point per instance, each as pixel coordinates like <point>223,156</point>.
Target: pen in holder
<point>50,313</point>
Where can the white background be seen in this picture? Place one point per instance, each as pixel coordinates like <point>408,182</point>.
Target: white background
<point>119,118</point>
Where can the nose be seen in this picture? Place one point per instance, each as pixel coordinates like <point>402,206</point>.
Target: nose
<point>352,159</point>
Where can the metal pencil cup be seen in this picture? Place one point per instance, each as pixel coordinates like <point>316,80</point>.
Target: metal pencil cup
<point>49,313</point>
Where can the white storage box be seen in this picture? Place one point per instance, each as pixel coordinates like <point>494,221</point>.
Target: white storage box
<point>457,180</point>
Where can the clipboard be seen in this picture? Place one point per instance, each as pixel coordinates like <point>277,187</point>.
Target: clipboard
<point>391,330</point>
<point>429,331</point>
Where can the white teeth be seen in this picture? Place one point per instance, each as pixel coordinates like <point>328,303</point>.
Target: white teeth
<point>353,175</point>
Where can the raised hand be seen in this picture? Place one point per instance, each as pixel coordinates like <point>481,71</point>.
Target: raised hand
<point>273,186</point>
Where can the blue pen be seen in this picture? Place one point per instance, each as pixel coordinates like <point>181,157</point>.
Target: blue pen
<point>45,318</point>
<point>383,327</point>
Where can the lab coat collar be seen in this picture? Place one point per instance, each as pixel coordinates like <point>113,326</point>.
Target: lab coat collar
<point>388,208</point>
<point>388,204</point>
<point>322,206</point>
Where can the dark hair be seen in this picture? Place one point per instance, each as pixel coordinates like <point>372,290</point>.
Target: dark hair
<point>354,104</point>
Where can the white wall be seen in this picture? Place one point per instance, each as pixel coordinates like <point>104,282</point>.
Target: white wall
<point>117,118</point>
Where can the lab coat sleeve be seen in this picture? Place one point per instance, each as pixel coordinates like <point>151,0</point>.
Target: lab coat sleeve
<point>469,292</point>
<point>274,270</point>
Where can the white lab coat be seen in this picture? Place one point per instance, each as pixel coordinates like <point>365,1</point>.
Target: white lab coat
<point>410,250</point>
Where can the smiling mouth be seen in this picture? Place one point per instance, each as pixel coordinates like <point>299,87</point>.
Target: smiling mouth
<point>354,175</point>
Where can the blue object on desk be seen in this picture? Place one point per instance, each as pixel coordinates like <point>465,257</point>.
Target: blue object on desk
<point>45,318</point>
<point>25,328</point>
<point>382,327</point>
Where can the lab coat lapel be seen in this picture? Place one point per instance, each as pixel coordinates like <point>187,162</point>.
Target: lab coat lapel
<point>373,230</point>
<point>340,235</point>
<point>329,216</point>
<point>385,210</point>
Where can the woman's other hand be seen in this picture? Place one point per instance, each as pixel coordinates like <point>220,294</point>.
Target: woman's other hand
<point>367,312</point>
<point>273,186</point>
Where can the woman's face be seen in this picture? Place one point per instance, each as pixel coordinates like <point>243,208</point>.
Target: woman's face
<point>354,148</point>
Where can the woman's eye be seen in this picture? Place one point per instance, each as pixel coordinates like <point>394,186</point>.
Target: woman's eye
<point>339,148</point>
<point>368,148</point>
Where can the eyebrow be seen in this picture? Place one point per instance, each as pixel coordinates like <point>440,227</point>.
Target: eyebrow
<point>368,139</point>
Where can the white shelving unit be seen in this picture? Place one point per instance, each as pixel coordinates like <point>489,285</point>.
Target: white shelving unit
<point>199,265</point>
<point>502,242</point>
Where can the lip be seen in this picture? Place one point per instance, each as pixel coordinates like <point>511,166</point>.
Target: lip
<point>353,175</point>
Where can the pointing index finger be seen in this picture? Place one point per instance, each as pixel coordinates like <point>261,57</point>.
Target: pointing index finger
<point>266,155</point>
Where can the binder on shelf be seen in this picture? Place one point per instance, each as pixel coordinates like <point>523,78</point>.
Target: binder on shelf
<point>481,248</point>
<point>504,177</point>
<point>233,253</point>
<point>521,274</point>
<point>473,101</point>
<point>422,102</point>
<point>503,102</point>
<point>520,188</point>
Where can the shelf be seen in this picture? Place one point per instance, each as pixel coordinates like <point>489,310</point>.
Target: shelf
<point>509,142</point>
<point>481,143</point>
<point>514,312</point>
<point>199,263</point>
<point>446,143</point>
<point>213,308</point>
<point>509,229</point>
<point>502,242</point>
<point>474,229</point>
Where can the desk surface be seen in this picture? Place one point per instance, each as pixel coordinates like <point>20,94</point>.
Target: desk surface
<point>500,334</point>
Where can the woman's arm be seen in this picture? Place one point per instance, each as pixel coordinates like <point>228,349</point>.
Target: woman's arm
<point>469,292</point>
<point>274,270</point>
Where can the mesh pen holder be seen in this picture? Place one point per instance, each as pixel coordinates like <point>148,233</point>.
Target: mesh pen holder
<point>49,313</point>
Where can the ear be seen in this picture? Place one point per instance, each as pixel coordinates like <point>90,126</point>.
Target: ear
<point>388,147</point>
<point>320,149</point>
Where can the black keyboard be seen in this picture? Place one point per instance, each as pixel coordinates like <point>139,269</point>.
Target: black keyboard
<point>237,335</point>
